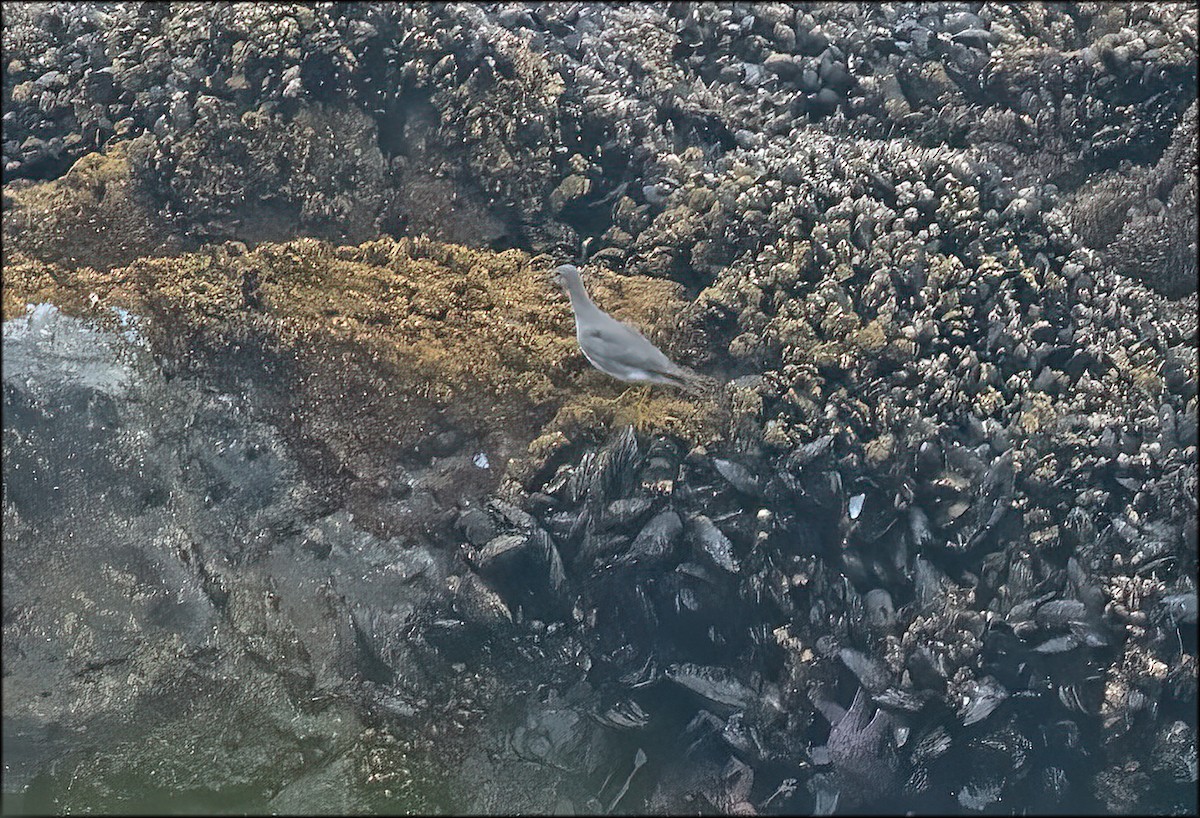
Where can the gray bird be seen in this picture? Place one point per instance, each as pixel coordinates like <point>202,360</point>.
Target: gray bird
<point>618,349</point>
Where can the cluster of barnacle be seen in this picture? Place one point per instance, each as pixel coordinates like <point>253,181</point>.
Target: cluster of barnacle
<point>295,113</point>
<point>771,589</point>
<point>1040,90</point>
<point>292,168</point>
<point>993,368</point>
<point>1143,219</point>
<point>1009,513</point>
<point>959,347</point>
<point>941,288</point>
<point>550,115</point>
<point>120,71</point>
<point>998,78</point>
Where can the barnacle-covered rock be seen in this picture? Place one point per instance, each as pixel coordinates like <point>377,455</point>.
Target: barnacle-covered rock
<point>1144,218</point>
<point>943,255</point>
<point>95,214</point>
<point>321,169</point>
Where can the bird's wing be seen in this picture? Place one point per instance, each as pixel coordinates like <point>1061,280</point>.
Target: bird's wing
<point>618,342</point>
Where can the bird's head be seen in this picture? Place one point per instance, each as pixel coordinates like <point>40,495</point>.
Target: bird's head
<point>565,275</point>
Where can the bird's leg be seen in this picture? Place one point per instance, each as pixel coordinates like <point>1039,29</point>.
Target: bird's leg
<point>631,406</point>
<point>644,402</point>
<point>643,398</point>
<point>636,399</point>
<point>619,400</point>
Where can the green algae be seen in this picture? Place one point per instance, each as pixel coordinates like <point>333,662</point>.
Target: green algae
<point>391,340</point>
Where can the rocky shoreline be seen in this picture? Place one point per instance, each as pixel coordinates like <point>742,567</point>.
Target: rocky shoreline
<point>311,503</point>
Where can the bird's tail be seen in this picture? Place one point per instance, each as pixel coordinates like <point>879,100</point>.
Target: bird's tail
<point>693,382</point>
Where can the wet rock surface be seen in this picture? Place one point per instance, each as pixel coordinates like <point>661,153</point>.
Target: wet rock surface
<point>297,486</point>
<point>173,589</point>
